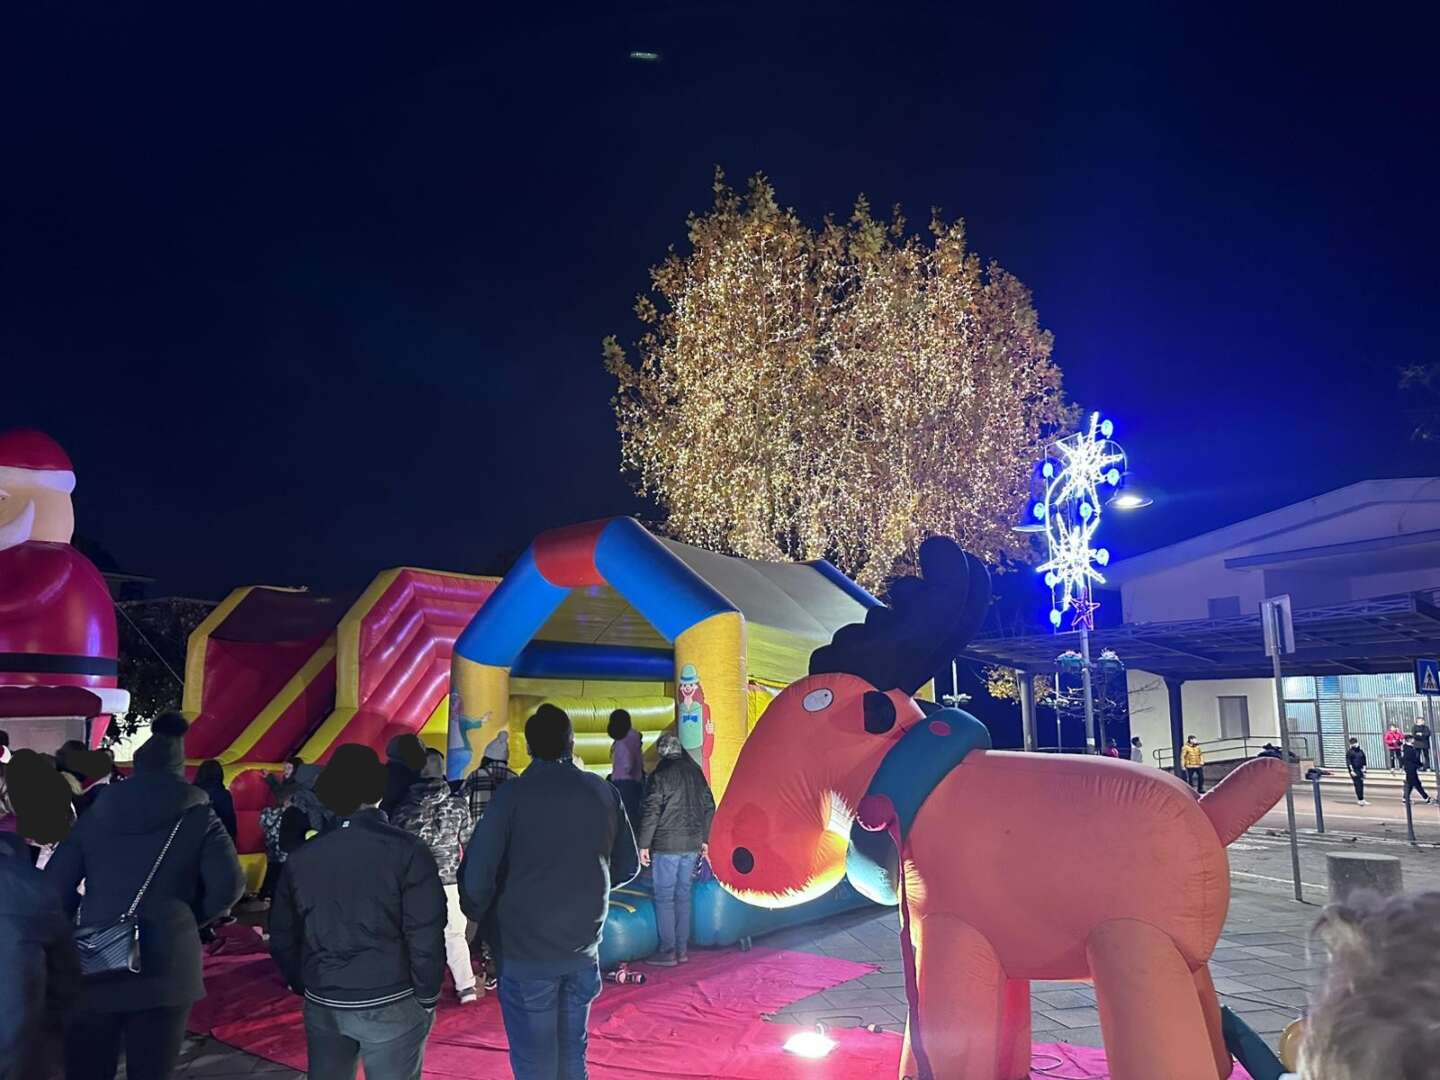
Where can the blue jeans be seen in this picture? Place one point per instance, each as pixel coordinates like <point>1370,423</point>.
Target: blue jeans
<point>546,1021</point>
<point>673,875</point>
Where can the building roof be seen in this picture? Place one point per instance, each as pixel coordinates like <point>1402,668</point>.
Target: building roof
<point>1275,522</point>
<point>1383,634</point>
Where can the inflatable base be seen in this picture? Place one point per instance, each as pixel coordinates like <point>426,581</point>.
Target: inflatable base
<point>716,918</point>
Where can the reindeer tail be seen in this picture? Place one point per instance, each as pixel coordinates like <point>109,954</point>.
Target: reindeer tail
<point>1245,796</point>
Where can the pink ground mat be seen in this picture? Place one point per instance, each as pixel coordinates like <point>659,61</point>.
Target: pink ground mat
<point>701,1020</point>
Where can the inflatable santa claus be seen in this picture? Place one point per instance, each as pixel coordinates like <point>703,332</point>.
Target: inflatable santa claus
<point>57,621</point>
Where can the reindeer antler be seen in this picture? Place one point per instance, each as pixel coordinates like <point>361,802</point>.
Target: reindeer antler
<point>928,620</point>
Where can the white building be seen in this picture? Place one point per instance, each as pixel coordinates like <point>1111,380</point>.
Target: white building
<point>1361,565</point>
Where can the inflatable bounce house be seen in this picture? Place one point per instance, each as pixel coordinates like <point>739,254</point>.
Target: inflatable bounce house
<point>1006,866</point>
<point>58,640</point>
<point>274,673</point>
<point>605,615</point>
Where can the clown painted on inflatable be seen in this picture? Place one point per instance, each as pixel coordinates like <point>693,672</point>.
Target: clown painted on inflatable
<point>1007,867</point>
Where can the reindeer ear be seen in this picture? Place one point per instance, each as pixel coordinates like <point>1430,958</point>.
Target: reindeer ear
<point>930,618</point>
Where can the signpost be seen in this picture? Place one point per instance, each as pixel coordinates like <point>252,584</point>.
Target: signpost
<point>1275,614</point>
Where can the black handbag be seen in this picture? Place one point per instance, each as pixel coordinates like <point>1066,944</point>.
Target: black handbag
<point>113,949</point>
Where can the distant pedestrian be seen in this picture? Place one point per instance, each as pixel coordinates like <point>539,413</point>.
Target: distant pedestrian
<point>1192,760</point>
<point>1137,753</point>
<point>538,874</point>
<point>358,928</point>
<point>673,838</point>
<point>1421,731</point>
<point>1355,762</point>
<point>404,758</point>
<point>627,766</point>
<point>210,778</point>
<point>1410,762</point>
<point>442,819</point>
<point>1394,744</point>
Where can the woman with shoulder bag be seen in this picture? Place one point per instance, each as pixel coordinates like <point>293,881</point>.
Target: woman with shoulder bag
<point>157,864</point>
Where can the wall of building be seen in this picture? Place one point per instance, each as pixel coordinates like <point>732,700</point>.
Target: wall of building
<point>1200,708</point>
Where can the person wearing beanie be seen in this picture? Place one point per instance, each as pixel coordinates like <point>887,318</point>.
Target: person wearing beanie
<point>493,770</point>
<point>404,758</point>
<point>358,927</point>
<point>537,875</point>
<point>196,881</point>
<point>674,828</point>
<point>442,819</point>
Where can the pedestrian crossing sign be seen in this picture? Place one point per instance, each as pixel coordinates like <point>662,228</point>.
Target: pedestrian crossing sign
<point>1427,676</point>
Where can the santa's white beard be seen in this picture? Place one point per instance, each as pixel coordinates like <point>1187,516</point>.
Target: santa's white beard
<point>18,530</point>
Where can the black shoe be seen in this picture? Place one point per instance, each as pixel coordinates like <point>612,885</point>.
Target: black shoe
<point>661,959</point>
<point>491,982</point>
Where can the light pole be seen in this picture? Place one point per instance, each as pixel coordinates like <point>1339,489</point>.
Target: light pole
<point>1069,513</point>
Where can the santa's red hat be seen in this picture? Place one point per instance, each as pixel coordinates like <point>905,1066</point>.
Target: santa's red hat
<point>30,458</point>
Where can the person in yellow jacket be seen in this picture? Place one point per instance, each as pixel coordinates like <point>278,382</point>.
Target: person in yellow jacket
<point>1192,760</point>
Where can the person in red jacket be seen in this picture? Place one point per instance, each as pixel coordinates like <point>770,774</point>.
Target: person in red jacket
<point>1394,744</point>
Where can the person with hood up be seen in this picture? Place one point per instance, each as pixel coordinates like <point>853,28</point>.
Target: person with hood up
<point>155,823</point>
<point>673,835</point>
<point>431,811</point>
<point>210,778</point>
<point>37,953</point>
<point>404,758</point>
<point>358,928</point>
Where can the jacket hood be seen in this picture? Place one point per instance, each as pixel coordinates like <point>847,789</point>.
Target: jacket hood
<point>145,802</point>
<point>306,775</point>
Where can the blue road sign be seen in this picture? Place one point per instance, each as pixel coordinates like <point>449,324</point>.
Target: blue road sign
<point>1427,676</point>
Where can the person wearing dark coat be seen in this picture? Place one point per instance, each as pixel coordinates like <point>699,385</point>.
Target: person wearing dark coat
<point>112,849</point>
<point>673,837</point>
<point>358,927</point>
<point>404,759</point>
<point>37,953</point>
<point>210,778</point>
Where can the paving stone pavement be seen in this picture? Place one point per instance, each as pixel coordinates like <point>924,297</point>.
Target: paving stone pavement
<point>1264,968</point>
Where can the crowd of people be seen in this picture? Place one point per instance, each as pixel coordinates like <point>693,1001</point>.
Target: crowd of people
<point>379,877</point>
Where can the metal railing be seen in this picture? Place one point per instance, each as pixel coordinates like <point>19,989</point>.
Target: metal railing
<point>1236,749</point>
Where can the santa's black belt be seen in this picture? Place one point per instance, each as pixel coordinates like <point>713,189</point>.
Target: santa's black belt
<point>58,664</point>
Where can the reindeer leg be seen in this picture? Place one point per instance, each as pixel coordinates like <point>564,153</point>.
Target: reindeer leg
<point>968,1029</point>
<point>1150,1010</point>
<point>1210,1007</point>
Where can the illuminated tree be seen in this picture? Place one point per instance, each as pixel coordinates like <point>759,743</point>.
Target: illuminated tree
<point>841,392</point>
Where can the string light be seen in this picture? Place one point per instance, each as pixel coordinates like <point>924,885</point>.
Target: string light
<point>840,392</point>
<point>1071,511</point>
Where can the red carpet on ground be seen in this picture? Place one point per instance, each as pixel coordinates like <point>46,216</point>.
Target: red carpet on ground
<point>701,1020</point>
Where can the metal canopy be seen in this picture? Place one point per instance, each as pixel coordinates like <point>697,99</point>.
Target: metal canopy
<point>1384,634</point>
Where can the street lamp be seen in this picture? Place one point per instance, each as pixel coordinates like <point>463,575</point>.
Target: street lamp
<point>1075,472</point>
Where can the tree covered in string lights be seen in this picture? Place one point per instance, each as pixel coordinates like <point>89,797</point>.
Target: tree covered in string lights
<point>839,392</point>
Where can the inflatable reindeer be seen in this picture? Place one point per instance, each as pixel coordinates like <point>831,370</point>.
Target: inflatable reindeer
<point>1007,867</point>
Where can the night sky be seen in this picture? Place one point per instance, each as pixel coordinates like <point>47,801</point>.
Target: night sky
<point>312,289</point>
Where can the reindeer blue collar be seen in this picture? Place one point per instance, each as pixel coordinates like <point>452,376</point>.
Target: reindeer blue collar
<point>918,761</point>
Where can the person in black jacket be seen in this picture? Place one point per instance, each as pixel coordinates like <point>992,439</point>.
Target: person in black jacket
<point>1410,761</point>
<point>537,873</point>
<point>404,758</point>
<point>1355,763</point>
<point>358,927</point>
<point>674,827</point>
<point>112,849</point>
<point>210,778</point>
<point>37,954</point>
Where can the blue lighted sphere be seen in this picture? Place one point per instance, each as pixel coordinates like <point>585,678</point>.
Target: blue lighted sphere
<point>1085,511</point>
<point>1113,476</point>
<point>1039,511</point>
<point>1051,580</point>
<point>1102,556</point>
<point>1054,617</point>
<point>1107,428</point>
<point>1047,470</point>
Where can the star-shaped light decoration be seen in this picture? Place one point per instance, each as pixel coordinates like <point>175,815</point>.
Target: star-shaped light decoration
<point>1083,613</point>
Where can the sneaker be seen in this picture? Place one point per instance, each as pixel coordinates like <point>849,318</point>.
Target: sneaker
<point>662,959</point>
<point>468,997</point>
<point>491,982</point>
<point>1362,802</point>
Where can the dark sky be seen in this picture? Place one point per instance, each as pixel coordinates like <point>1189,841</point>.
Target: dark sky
<point>312,289</point>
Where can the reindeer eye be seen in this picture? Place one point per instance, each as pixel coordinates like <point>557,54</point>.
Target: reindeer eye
<point>816,700</point>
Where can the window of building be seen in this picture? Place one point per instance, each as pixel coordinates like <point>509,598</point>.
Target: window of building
<point>1234,717</point>
<point>1224,607</point>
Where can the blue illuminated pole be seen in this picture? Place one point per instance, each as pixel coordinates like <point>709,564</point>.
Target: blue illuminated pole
<point>1070,510</point>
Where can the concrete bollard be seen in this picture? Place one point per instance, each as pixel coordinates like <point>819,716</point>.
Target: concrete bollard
<point>1353,870</point>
